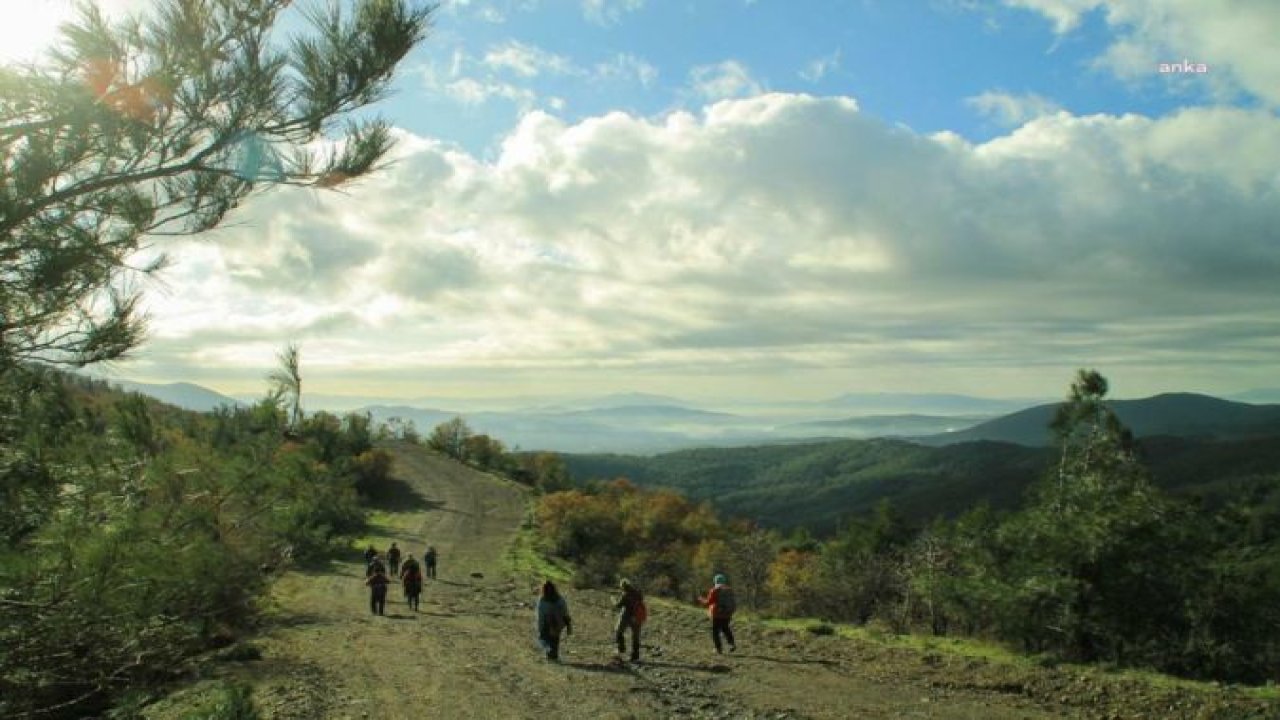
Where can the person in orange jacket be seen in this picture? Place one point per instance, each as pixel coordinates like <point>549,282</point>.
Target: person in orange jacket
<point>721,604</point>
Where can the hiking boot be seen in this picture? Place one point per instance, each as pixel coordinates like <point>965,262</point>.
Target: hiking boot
<point>733,648</point>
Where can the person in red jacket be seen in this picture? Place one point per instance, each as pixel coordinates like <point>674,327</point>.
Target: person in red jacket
<point>721,604</point>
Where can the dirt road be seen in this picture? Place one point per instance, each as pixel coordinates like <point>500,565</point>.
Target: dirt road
<point>470,652</point>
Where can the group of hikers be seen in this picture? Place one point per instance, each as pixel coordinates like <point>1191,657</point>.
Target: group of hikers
<point>551,614</point>
<point>552,617</point>
<point>378,574</point>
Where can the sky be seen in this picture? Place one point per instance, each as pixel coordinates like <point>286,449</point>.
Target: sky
<point>768,200</point>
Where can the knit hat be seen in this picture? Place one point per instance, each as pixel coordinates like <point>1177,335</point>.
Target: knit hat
<point>720,579</point>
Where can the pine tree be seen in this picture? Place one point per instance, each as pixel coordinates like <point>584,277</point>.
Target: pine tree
<point>160,125</point>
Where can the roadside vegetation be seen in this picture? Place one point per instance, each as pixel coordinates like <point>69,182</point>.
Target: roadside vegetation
<point>133,537</point>
<point>136,536</point>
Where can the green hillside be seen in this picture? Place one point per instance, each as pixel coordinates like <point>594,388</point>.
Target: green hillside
<point>817,485</point>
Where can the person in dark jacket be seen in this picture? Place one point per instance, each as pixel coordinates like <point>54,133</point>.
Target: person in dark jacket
<point>393,560</point>
<point>721,604</point>
<point>377,582</point>
<point>552,618</point>
<point>631,616</point>
<point>429,562</point>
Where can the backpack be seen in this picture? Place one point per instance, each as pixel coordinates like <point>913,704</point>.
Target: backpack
<point>639,612</point>
<point>726,603</point>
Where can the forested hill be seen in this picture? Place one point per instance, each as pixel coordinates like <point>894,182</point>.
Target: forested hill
<point>1179,414</point>
<point>817,485</point>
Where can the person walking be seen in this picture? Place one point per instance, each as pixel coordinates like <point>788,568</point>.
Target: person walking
<point>721,604</point>
<point>375,565</point>
<point>411,581</point>
<point>377,583</point>
<point>429,562</point>
<point>393,560</point>
<point>632,614</point>
<point>551,617</point>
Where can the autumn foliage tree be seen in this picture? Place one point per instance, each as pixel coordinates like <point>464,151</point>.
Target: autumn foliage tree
<point>616,529</point>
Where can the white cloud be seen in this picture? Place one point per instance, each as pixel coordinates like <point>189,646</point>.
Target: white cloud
<point>626,66</point>
<point>1012,110</point>
<point>492,14</point>
<point>526,60</point>
<point>1236,40</point>
<point>458,84</point>
<point>724,80</point>
<point>1065,14</point>
<point>776,235</point>
<point>609,12</point>
<point>821,67</point>
<point>512,71</point>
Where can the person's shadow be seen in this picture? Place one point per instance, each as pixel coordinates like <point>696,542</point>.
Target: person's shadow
<point>603,668</point>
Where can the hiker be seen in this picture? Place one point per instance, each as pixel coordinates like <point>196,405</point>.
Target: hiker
<point>411,579</point>
<point>377,583</point>
<point>393,559</point>
<point>375,565</point>
<point>721,603</point>
<point>429,560</point>
<point>552,618</point>
<point>632,616</point>
<point>369,555</point>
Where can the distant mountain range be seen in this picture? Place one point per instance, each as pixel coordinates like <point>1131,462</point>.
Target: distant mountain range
<point>636,428</point>
<point>649,423</point>
<point>188,396</point>
<point>1177,414</point>
<point>925,404</point>
<point>780,463</point>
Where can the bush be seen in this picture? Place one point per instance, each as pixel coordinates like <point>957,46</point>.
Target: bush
<point>234,702</point>
<point>131,548</point>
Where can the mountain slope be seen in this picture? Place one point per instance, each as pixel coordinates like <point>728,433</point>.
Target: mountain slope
<point>1179,414</point>
<point>817,485</point>
<point>187,396</point>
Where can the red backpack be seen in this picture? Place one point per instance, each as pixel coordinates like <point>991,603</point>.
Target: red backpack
<point>639,612</point>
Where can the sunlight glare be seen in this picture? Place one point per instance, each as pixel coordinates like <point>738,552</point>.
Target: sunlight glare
<point>28,27</point>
